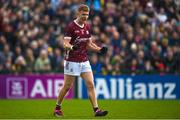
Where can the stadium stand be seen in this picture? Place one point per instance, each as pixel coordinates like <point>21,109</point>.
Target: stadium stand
<point>143,36</point>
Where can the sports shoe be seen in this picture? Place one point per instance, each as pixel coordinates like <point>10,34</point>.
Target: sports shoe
<point>100,112</point>
<point>58,113</point>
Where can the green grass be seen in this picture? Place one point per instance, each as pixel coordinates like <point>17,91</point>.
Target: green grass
<point>81,109</point>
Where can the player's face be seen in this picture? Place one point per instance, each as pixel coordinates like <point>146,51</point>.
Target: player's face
<point>83,15</point>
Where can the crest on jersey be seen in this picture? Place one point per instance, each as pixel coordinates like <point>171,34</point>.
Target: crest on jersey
<point>87,32</point>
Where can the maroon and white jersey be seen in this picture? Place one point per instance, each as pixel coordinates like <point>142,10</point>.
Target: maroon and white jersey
<point>80,36</point>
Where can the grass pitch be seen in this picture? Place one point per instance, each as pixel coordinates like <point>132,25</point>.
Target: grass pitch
<point>81,109</point>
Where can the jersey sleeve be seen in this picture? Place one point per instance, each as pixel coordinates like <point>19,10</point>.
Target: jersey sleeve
<point>68,31</point>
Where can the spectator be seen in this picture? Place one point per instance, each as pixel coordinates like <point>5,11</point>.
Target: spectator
<point>95,64</point>
<point>42,64</point>
<point>30,60</point>
<point>57,62</point>
<point>20,65</point>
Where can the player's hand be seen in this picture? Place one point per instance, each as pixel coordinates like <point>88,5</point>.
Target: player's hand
<point>103,51</point>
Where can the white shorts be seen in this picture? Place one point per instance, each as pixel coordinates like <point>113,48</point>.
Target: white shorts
<point>76,68</point>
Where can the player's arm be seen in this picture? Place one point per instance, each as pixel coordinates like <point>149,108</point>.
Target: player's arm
<point>92,46</point>
<point>67,45</point>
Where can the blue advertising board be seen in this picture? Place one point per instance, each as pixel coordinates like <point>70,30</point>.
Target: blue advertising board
<point>134,87</point>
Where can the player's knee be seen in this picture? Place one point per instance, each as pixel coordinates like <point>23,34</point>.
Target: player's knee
<point>90,86</point>
<point>67,87</point>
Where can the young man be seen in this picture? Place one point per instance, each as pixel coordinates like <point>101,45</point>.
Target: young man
<point>76,42</point>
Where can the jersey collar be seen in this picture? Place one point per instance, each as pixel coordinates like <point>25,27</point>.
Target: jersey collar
<point>81,26</point>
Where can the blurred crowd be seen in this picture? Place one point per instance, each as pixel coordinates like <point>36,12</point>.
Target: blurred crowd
<point>143,36</point>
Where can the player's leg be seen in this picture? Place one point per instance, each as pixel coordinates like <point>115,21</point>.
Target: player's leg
<point>89,81</point>
<point>68,83</point>
<point>88,77</point>
<point>71,69</point>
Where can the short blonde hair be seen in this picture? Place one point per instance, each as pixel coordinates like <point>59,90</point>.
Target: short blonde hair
<point>83,7</point>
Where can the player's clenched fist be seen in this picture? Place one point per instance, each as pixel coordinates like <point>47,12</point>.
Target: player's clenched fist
<point>103,50</point>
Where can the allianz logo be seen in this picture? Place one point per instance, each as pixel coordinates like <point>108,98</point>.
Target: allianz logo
<point>121,88</point>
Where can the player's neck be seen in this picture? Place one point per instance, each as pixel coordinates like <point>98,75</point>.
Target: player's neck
<point>79,22</point>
